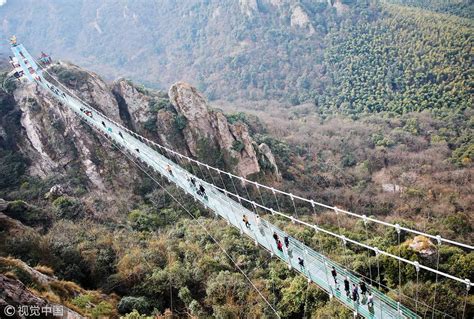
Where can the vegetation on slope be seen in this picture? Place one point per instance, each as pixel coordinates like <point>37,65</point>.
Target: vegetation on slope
<point>406,60</point>
<point>462,8</point>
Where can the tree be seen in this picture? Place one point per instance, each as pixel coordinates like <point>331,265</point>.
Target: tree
<point>68,208</point>
<point>130,303</point>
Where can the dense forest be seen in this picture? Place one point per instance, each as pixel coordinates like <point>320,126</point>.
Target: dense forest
<point>463,8</point>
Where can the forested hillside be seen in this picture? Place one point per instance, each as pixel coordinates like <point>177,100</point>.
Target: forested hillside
<point>462,8</point>
<point>352,56</point>
<point>406,60</point>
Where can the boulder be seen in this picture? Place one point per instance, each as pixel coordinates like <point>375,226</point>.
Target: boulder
<point>212,125</point>
<point>422,245</point>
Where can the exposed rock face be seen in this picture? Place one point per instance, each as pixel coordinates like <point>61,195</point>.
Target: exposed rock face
<point>33,145</point>
<point>136,103</point>
<point>267,155</point>
<point>192,105</point>
<point>422,245</point>
<point>248,7</point>
<point>392,188</point>
<point>299,18</point>
<point>93,90</point>
<point>13,292</point>
<point>212,126</point>
<point>56,141</point>
<point>56,191</point>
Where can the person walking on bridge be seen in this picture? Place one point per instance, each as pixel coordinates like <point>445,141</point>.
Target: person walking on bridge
<point>287,242</point>
<point>279,245</point>
<point>355,293</point>
<point>193,181</point>
<point>169,170</point>
<point>301,263</point>
<point>334,274</point>
<point>246,221</point>
<point>347,286</point>
<point>103,124</point>
<point>258,221</point>
<point>120,134</point>
<point>275,236</point>
<point>370,300</point>
<point>202,191</point>
<point>363,287</point>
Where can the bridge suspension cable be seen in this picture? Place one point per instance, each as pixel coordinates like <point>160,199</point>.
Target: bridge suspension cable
<point>272,189</point>
<point>130,158</point>
<point>293,219</point>
<point>210,185</point>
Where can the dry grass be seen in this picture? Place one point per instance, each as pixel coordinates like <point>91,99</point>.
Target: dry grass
<point>66,289</point>
<point>11,275</point>
<point>50,296</point>
<point>45,270</point>
<point>11,262</point>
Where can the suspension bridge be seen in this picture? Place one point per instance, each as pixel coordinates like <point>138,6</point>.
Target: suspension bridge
<point>207,185</point>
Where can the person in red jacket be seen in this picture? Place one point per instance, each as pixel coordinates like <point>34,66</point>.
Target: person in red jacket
<point>280,246</point>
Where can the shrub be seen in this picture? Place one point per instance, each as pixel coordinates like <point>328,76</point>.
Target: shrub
<point>156,105</point>
<point>238,146</point>
<point>103,309</point>
<point>130,303</point>
<point>68,208</point>
<point>136,315</point>
<point>12,167</point>
<point>150,124</point>
<point>28,214</point>
<point>180,122</point>
<point>348,160</point>
<point>45,270</point>
<point>82,301</point>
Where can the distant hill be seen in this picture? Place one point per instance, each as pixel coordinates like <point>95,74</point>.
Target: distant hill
<point>344,56</point>
<point>462,8</point>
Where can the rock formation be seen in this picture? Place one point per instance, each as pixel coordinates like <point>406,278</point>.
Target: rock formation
<point>14,293</point>
<point>422,245</point>
<point>57,142</point>
<point>299,18</point>
<point>212,126</point>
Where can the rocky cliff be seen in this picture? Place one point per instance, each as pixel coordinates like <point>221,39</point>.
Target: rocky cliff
<point>57,143</point>
<point>50,292</point>
<point>213,127</point>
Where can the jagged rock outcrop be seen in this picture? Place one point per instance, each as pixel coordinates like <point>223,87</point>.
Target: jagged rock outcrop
<point>267,155</point>
<point>422,245</point>
<point>299,18</point>
<point>91,88</point>
<point>14,293</point>
<point>56,191</point>
<point>135,104</point>
<point>213,127</point>
<point>248,7</point>
<point>57,142</point>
